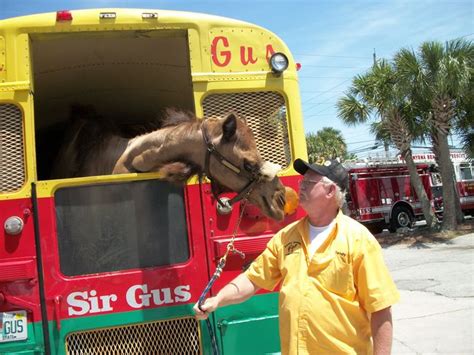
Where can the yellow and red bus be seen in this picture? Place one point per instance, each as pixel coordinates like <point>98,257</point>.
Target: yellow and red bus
<point>114,264</point>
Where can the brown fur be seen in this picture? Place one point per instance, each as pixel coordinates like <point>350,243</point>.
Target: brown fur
<point>176,150</point>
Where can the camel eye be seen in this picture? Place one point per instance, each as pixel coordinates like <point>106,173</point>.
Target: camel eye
<point>250,167</point>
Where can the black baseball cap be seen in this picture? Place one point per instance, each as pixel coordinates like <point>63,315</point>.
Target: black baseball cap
<point>332,169</point>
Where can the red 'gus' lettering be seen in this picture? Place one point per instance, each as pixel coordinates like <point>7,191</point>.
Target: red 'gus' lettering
<point>222,56</point>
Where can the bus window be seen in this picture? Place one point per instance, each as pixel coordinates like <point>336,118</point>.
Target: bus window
<point>466,172</point>
<point>113,227</point>
<point>435,179</point>
<point>120,79</point>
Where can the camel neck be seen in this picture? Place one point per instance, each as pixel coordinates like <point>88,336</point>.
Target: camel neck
<point>172,143</point>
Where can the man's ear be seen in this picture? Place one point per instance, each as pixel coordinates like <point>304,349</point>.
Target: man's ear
<point>331,190</point>
<point>229,127</point>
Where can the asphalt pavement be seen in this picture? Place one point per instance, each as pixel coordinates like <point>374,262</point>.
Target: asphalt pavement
<point>435,314</point>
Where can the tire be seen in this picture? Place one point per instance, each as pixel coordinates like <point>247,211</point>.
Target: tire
<point>402,217</point>
<point>375,228</point>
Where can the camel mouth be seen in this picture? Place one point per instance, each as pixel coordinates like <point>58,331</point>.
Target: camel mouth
<point>272,207</point>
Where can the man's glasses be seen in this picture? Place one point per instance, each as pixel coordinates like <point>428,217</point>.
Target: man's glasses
<point>307,182</point>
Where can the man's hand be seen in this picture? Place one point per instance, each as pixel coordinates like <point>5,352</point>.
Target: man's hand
<point>209,306</point>
<point>239,290</point>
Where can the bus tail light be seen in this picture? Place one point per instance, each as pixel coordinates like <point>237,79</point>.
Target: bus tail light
<point>13,225</point>
<point>63,15</point>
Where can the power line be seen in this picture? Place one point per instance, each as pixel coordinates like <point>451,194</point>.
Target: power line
<point>326,115</point>
<point>364,149</point>
<point>327,101</point>
<point>316,114</point>
<point>411,46</point>
<point>323,77</point>
<point>318,91</point>
<point>328,90</point>
<point>321,103</point>
<point>331,56</point>
<point>360,142</point>
<point>330,66</point>
<point>468,35</point>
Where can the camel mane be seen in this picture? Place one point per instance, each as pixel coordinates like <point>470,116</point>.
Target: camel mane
<point>174,117</point>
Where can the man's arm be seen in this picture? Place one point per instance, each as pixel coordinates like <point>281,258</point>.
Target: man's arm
<point>236,291</point>
<point>382,331</point>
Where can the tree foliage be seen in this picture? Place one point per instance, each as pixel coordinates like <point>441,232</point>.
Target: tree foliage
<point>327,143</point>
<point>379,96</point>
<point>438,79</point>
<point>422,95</point>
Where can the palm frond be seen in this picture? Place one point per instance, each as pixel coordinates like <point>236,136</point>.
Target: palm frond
<point>351,110</point>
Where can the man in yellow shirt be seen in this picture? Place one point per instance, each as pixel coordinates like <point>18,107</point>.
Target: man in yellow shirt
<point>335,290</point>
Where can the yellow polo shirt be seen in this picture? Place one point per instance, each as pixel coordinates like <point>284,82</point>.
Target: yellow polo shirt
<point>325,302</point>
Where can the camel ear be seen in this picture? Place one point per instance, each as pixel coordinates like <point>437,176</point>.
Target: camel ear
<point>229,127</point>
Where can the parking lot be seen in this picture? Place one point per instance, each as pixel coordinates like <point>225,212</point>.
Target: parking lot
<point>435,314</point>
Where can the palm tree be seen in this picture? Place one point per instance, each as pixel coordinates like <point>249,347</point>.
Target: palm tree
<point>327,143</point>
<point>465,124</point>
<point>379,94</point>
<point>440,77</point>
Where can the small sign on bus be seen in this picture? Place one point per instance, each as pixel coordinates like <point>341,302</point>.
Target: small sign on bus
<point>13,326</point>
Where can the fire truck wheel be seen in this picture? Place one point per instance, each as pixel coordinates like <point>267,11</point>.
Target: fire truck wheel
<point>402,217</point>
<point>375,228</point>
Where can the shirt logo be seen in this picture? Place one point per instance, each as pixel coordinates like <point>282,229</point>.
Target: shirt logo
<point>291,247</point>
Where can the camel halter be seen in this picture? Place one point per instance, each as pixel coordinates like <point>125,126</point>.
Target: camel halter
<point>252,177</point>
<point>243,194</point>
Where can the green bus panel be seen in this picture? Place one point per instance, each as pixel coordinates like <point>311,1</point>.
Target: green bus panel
<point>248,328</point>
<point>251,327</point>
<point>31,346</point>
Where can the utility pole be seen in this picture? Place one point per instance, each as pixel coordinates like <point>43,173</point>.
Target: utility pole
<point>387,153</point>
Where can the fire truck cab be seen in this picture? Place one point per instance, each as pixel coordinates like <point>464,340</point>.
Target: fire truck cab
<point>464,171</point>
<point>381,196</point>
<point>463,174</point>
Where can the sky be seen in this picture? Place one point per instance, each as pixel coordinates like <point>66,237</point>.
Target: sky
<point>332,40</point>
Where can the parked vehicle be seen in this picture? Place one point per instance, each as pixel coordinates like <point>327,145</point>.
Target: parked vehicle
<point>114,263</point>
<point>463,174</point>
<point>464,171</point>
<point>381,196</point>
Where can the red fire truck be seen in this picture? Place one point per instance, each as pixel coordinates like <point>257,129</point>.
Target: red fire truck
<point>381,195</point>
<point>463,173</point>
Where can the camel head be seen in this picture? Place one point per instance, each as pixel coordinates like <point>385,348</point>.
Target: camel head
<point>235,144</point>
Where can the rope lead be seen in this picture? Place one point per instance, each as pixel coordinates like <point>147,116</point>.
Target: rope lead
<point>217,274</point>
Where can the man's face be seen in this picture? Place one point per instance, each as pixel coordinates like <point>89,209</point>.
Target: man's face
<point>313,192</point>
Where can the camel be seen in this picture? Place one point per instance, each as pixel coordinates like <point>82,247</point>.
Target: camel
<point>223,149</point>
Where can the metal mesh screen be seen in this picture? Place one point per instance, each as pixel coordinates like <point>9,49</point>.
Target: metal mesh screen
<point>12,167</point>
<point>265,112</point>
<point>176,336</point>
